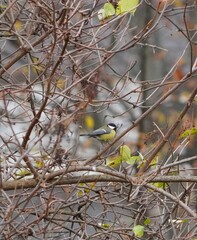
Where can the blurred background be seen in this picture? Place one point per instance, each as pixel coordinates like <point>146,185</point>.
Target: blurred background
<point>65,72</point>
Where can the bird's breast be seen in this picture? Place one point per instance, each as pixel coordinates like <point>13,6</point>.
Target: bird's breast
<point>107,136</point>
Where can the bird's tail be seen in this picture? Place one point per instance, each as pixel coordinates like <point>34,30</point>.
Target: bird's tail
<point>84,135</point>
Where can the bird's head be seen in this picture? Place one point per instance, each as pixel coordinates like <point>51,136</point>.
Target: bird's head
<point>112,126</point>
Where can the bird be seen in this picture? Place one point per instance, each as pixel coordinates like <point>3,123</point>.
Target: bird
<point>105,133</point>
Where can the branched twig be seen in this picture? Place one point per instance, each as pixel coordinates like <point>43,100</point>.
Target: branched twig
<point>165,138</point>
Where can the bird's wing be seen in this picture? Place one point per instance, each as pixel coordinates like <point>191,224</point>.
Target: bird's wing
<point>99,132</point>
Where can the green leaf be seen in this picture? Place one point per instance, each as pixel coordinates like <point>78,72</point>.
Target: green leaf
<point>185,220</point>
<point>153,162</point>
<point>3,6</point>
<point>124,156</point>
<point>23,173</point>
<point>134,159</point>
<point>125,153</point>
<point>114,162</point>
<point>105,225</point>
<point>147,221</point>
<point>138,231</point>
<point>189,132</point>
<point>107,11</point>
<point>126,6</point>
<point>160,185</point>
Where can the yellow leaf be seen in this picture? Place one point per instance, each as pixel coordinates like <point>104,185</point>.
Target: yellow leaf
<point>25,70</point>
<point>18,25</point>
<point>178,3</point>
<point>85,188</point>
<point>89,122</point>
<point>60,83</point>
<point>39,163</point>
<point>37,65</point>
